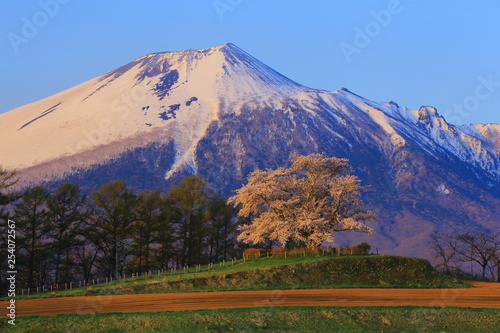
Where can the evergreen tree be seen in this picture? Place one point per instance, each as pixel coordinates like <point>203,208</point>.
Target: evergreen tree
<point>166,236</point>
<point>86,253</point>
<point>66,207</point>
<point>221,229</point>
<point>189,200</point>
<point>148,212</point>
<point>112,217</point>
<point>33,225</point>
<point>7,180</point>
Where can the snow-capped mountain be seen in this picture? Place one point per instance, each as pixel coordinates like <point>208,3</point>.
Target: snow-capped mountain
<point>179,93</point>
<point>221,113</point>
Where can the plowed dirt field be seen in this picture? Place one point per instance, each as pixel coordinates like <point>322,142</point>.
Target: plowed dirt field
<point>484,295</point>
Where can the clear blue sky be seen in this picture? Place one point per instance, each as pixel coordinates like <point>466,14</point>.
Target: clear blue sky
<point>440,53</point>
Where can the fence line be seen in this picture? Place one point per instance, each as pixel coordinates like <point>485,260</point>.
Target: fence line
<point>247,255</point>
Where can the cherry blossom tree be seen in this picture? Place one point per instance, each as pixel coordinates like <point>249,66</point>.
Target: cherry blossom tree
<point>305,203</point>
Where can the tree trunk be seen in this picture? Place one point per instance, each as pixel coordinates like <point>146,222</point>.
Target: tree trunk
<point>116,260</point>
<point>58,264</point>
<point>498,271</point>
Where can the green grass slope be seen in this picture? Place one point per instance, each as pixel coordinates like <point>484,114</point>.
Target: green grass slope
<point>271,319</point>
<point>280,273</point>
<point>369,271</point>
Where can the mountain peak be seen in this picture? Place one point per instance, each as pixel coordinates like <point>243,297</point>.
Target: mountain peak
<point>221,47</point>
<point>223,63</point>
<point>222,113</point>
<point>185,92</point>
<point>229,46</point>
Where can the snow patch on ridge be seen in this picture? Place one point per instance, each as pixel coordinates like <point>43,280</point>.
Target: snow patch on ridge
<point>378,115</point>
<point>182,93</point>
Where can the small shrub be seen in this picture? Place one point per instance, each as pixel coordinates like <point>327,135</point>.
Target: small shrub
<point>88,290</point>
<point>329,250</point>
<point>300,252</point>
<point>363,248</point>
<point>346,250</point>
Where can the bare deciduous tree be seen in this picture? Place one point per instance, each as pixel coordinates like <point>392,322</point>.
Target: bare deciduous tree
<point>481,249</point>
<point>7,178</point>
<point>445,258</point>
<point>307,202</point>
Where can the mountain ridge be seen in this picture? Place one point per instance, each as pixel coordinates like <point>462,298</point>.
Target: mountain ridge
<point>221,113</point>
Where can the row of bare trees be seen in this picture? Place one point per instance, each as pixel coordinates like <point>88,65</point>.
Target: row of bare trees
<point>65,236</point>
<point>468,254</point>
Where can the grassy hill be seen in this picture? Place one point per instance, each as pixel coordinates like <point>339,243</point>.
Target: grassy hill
<point>366,271</point>
<point>285,273</point>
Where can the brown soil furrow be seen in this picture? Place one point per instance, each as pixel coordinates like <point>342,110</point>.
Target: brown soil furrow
<point>484,295</point>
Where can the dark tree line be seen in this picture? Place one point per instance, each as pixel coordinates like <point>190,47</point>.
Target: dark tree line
<point>65,236</point>
<point>470,254</point>
<point>7,180</point>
